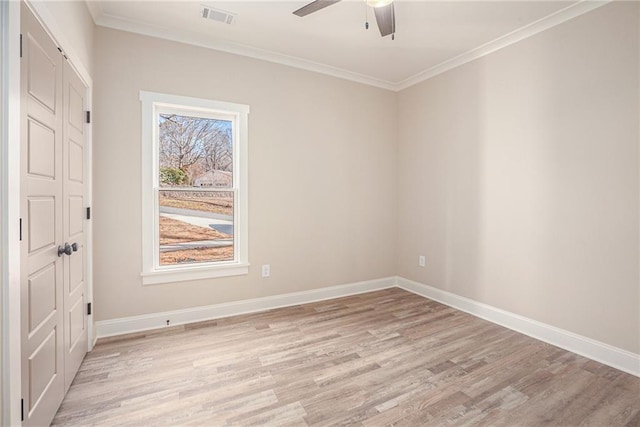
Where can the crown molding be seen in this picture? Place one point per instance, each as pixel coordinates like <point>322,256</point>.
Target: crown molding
<point>118,23</point>
<point>508,39</point>
<point>557,18</point>
<point>95,10</point>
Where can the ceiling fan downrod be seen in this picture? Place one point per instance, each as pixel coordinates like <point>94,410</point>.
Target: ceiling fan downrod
<point>384,12</point>
<point>366,16</point>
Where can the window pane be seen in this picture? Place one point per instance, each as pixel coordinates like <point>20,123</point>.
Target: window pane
<point>195,152</point>
<point>195,226</point>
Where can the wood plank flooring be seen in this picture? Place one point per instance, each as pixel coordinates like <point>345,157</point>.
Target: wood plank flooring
<point>376,359</point>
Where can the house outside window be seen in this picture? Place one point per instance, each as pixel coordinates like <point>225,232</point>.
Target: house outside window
<point>194,188</point>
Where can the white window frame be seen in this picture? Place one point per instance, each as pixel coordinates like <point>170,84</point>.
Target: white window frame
<point>154,104</point>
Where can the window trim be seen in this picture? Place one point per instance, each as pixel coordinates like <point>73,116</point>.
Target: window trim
<point>152,272</point>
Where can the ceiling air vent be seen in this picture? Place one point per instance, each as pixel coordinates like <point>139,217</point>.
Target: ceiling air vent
<point>217,15</point>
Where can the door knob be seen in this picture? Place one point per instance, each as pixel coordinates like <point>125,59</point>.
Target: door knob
<point>66,249</point>
<point>74,247</point>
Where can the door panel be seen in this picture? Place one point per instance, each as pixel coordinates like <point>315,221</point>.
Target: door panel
<point>76,106</point>
<point>42,296</point>
<point>76,271</point>
<point>44,66</point>
<point>76,160</point>
<point>42,368</point>
<point>41,149</point>
<point>76,331</point>
<point>77,324</point>
<point>76,219</point>
<point>41,222</point>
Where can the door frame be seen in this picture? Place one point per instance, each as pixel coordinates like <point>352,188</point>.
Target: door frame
<point>3,205</point>
<point>10,194</point>
<point>11,354</point>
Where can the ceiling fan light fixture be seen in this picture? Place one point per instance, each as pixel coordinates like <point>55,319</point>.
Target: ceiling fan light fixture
<point>379,3</point>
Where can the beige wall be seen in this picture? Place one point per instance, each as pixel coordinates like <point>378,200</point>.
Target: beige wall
<point>518,178</point>
<point>322,176</point>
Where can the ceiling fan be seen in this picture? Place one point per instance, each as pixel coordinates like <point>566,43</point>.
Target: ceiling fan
<point>383,9</point>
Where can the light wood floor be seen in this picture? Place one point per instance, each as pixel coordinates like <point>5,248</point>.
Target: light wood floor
<point>387,357</point>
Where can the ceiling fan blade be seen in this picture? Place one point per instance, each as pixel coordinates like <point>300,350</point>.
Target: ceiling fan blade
<point>314,6</point>
<point>386,18</point>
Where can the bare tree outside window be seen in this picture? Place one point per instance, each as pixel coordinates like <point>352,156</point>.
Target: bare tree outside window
<point>195,168</point>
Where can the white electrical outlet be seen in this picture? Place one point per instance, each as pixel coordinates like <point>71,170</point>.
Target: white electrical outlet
<point>266,270</point>
<point>422,261</point>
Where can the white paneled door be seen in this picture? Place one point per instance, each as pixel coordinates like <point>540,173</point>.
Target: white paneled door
<point>53,290</point>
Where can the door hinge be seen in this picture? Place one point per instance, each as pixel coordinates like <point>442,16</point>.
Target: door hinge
<point>21,229</point>
<point>20,45</point>
<point>89,309</point>
<point>21,409</point>
<point>88,116</point>
<point>88,213</point>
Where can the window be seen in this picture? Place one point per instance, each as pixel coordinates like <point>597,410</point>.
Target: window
<point>194,188</point>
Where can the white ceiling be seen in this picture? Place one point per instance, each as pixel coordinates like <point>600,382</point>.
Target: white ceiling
<point>334,40</point>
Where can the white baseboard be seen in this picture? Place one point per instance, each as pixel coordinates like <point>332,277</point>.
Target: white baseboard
<point>127,325</point>
<point>587,347</point>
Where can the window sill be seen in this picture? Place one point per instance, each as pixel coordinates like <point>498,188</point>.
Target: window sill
<point>194,273</point>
